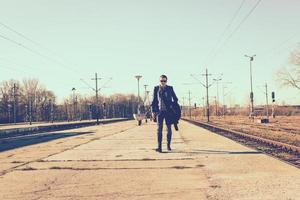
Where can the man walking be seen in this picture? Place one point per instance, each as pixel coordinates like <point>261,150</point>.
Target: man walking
<point>163,99</point>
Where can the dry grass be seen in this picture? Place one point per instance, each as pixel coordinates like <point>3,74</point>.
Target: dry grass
<point>283,128</point>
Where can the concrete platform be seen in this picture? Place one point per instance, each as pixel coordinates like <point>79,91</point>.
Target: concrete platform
<point>118,161</point>
<point>34,124</point>
<point>7,131</point>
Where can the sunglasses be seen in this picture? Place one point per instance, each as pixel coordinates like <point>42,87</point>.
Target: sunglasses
<point>163,81</point>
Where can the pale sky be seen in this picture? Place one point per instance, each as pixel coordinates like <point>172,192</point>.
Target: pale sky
<point>122,38</point>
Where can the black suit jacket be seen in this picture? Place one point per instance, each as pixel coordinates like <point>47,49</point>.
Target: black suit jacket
<point>171,102</point>
<point>170,98</point>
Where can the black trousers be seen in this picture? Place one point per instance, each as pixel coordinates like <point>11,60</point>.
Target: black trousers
<point>161,116</point>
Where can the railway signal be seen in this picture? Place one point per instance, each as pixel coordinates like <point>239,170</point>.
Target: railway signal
<point>273,104</point>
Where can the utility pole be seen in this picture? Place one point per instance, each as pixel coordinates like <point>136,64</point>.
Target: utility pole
<point>15,103</point>
<point>145,105</point>
<point>26,114</point>
<point>76,108</point>
<point>145,93</point>
<point>183,107</point>
<point>203,106</point>
<point>67,111</point>
<point>9,106</point>
<point>190,112</point>
<point>223,91</point>
<point>217,81</point>
<point>90,111</point>
<point>113,109</point>
<point>30,109</point>
<point>216,105</point>
<point>206,85</point>
<point>251,58</point>
<point>147,97</point>
<point>96,91</point>
<point>51,110</point>
<point>105,112</point>
<point>207,97</point>
<point>224,106</point>
<point>97,100</point>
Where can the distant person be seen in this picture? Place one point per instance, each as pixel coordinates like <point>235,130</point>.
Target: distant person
<point>165,107</point>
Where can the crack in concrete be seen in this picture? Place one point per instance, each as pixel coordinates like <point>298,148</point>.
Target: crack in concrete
<point>26,163</point>
<point>106,168</point>
<point>121,160</point>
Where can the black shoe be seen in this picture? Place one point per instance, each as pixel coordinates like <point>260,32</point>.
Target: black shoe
<point>176,127</point>
<point>158,150</point>
<point>169,148</point>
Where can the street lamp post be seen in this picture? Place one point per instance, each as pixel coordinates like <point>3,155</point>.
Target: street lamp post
<point>251,58</point>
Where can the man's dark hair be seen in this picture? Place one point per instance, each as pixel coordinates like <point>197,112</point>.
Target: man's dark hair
<point>164,76</point>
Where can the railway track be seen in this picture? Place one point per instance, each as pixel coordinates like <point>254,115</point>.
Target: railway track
<point>283,151</point>
<point>264,131</point>
<point>269,128</point>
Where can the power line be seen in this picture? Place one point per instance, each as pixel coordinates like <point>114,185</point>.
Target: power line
<point>281,45</point>
<point>10,63</point>
<point>33,42</point>
<point>227,27</point>
<point>243,20</point>
<point>12,69</point>
<point>88,85</point>
<point>21,45</point>
<point>20,34</point>
<point>237,27</point>
<point>37,53</point>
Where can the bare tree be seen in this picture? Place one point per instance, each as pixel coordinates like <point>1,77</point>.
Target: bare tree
<point>290,76</point>
<point>10,92</point>
<point>30,101</point>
